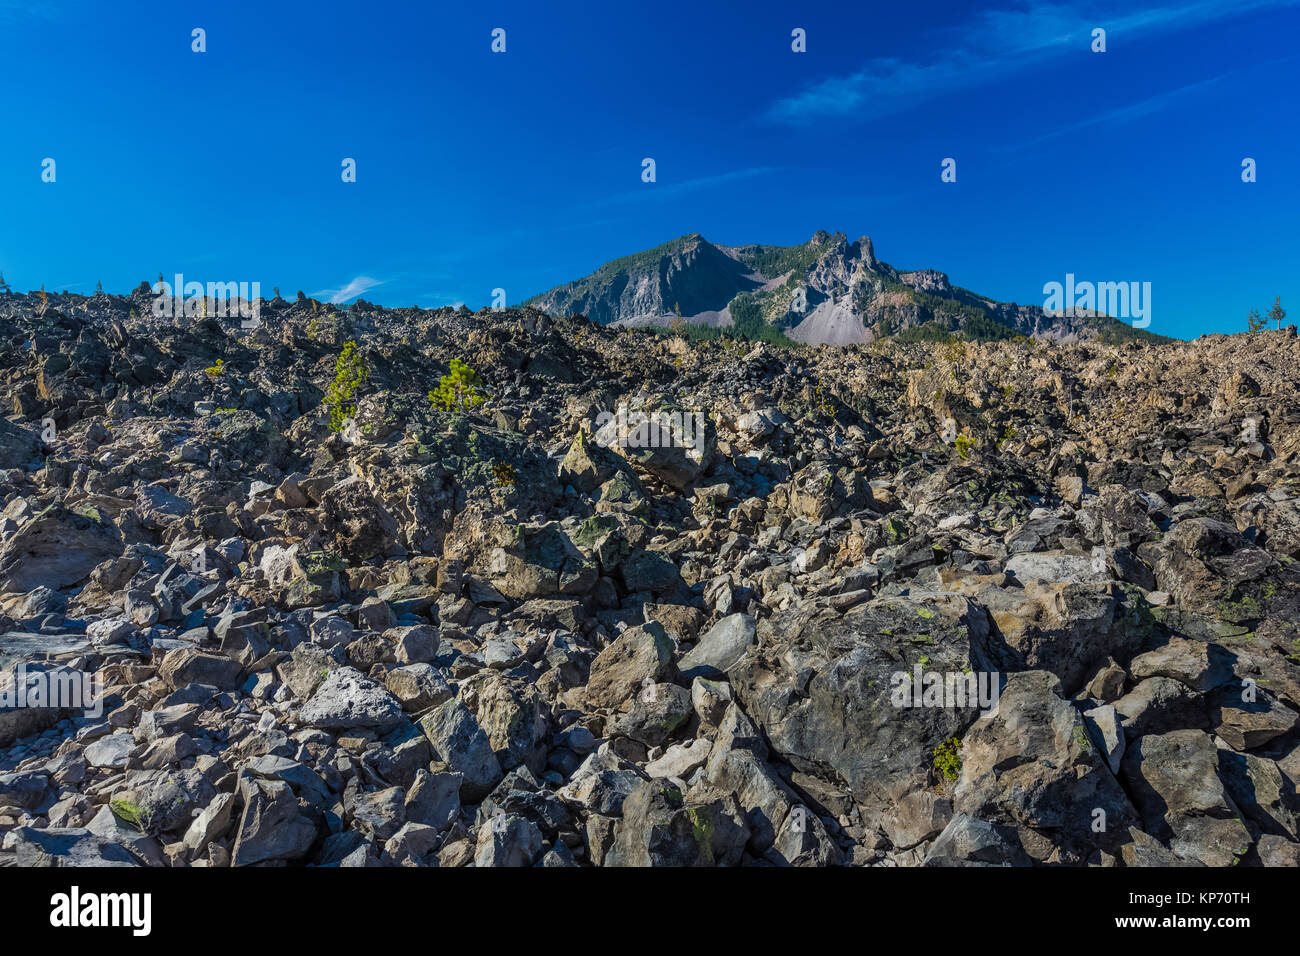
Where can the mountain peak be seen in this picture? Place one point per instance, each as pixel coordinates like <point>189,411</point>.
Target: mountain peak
<point>826,291</point>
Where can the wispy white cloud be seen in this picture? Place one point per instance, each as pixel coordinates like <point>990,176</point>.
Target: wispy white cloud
<point>1143,107</point>
<point>669,188</point>
<point>350,291</point>
<point>26,11</point>
<point>1132,111</point>
<point>995,44</point>
<point>709,182</point>
<point>438,299</point>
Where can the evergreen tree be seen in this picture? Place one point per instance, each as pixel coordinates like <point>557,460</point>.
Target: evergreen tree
<point>746,317</point>
<point>1277,313</point>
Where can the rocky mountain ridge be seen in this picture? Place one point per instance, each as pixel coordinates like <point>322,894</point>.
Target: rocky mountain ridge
<point>827,291</point>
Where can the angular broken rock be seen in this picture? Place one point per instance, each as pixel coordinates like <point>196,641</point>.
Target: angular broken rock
<point>720,649</point>
<point>825,688</point>
<point>461,743</point>
<point>968,841</point>
<point>1067,628</point>
<point>1160,704</point>
<point>306,667</point>
<point>919,816</point>
<point>417,644</point>
<point>434,799</point>
<point>162,801</point>
<point>660,828</point>
<point>710,700</point>
<point>110,631</point>
<point>1056,567</point>
<point>802,840</point>
<point>587,465</point>
<point>680,760</point>
<point>1105,727</point>
<point>1033,766</point>
<point>761,795</point>
<point>1124,578</point>
<point>1197,664</point>
<point>602,782</point>
<point>515,718</point>
<point>25,791</point>
<point>684,447</point>
<point>380,813</point>
<point>331,632</point>
<point>1174,781</point>
<point>110,751</point>
<point>189,665</point>
<point>419,686</point>
<point>508,840</point>
<point>18,446</point>
<point>1258,787</point>
<point>211,823</point>
<point>68,847</point>
<point>657,712</point>
<point>1248,716</point>
<point>57,549</point>
<point>539,562</point>
<point>347,700</point>
<point>411,845</point>
<point>270,827</point>
<point>637,656</point>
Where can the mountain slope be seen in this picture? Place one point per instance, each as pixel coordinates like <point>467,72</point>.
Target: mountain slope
<point>827,291</point>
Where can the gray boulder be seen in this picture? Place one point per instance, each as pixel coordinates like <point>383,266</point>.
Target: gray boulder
<point>508,840</point>
<point>638,656</point>
<point>721,647</point>
<point>58,548</point>
<point>1175,783</point>
<point>460,742</point>
<point>76,847</point>
<point>346,700</point>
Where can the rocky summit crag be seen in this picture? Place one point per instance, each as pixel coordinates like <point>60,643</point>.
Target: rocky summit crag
<point>503,635</point>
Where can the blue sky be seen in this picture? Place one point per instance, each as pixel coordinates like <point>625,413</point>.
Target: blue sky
<point>522,170</point>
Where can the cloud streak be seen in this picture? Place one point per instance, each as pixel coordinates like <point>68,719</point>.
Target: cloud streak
<point>659,191</point>
<point>20,11</point>
<point>350,291</point>
<point>995,44</point>
<point>1141,108</point>
<point>1135,110</point>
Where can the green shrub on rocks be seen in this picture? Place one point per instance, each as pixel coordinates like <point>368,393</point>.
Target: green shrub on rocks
<point>947,759</point>
<point>127,812</point>
<point>457,391</point>
<point>351,371</point>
